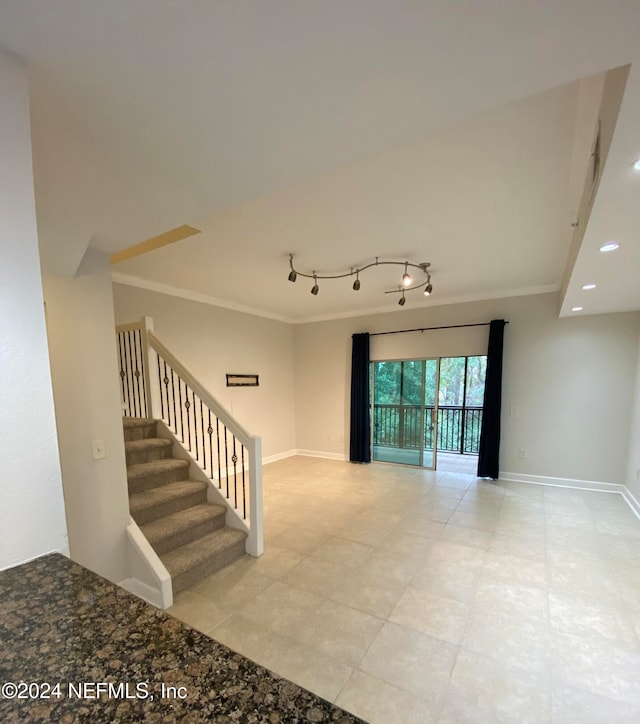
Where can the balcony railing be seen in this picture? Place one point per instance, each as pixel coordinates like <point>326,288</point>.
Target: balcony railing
<point>401,426</point>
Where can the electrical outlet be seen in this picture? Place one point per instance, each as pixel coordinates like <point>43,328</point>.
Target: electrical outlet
<point>522,454</point>
<point>97,449</point>
<point>513,410</point>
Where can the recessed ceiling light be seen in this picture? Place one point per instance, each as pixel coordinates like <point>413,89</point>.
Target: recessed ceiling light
<point>588,286</point>
<point>636,165</point>
<point>610,246</point>
<point>576,309</point>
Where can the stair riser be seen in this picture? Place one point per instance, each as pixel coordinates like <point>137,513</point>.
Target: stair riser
<point>189,535</point>
<point>140,432</point>
<point>173,506</point>
<point>148,454</point>
<point>206,568</point>
<point>148,482</point>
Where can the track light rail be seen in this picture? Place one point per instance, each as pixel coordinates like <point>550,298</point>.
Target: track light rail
<point>407,283</point>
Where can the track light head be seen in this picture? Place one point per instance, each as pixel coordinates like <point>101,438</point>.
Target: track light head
<point>356,284</point>
<point>402,301</point>
<point>292,276</point>
<point>315,288</point>
<point>428,289</point>
<point>406,277</point>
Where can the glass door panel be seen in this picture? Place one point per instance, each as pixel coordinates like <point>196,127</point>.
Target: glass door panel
<point>402,430</point>
<point>430,414</point>
<point>410,417</point>
<point>387,378</point>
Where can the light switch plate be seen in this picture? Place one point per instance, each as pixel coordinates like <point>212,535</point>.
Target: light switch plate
<point>97,449</point>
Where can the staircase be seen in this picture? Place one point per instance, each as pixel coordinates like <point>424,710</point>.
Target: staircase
<point>186,531</point>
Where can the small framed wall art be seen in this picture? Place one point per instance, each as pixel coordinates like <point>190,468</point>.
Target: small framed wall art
<point>242,380</point>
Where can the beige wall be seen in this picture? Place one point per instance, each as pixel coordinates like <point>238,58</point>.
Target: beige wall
<point>571,380</point>
<point>633,463</point>
<point>87,400</point>
<point>212,341</point>
<point>32,520</point>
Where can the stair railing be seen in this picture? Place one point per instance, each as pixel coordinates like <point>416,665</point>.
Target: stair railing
<point>154,383</point>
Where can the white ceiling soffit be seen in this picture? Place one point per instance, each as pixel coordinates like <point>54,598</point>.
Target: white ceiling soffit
<point>199,112</point>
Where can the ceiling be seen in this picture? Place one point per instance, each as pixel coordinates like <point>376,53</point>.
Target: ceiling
<point>445,131</point>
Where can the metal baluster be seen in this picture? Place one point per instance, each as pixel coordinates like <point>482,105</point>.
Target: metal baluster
<point>234,459</point>
<point>126,369</point>
<point>143,361</point>
<point>226,460</point>
<point>244,495</point>
<point>122,372</point>
<point>187,407</point>
<point>160,388</point>
<point>166,391</point>
<point>210,431</point>
<point>180,406</point>
<point>218,437</point>
<point>136,372</point>
<point>204,452</point>
<point>173,399</point>
<point>195,424</point>
<point>130,390</point>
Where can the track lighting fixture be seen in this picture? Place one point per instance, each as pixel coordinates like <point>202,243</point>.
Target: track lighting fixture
<point>406,280</point>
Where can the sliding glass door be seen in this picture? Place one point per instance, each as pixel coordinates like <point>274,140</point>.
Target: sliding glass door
<point>422,406</point>
<point>405,412</point>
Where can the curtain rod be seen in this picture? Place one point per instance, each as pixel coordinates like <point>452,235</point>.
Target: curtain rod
<point>427,329</point>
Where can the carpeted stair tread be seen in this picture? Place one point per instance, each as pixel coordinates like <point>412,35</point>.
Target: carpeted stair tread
<point>147,449</point>
<point>207,553</point>
<point>164,494</point>
<point>128,422</point>
<point>136,428</point>
<point>183,523</point>
<point>148,442</point>
<point>145,470</point>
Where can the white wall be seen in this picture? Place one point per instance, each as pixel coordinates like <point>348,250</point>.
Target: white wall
<point>32,520</point>
<point>571,380</point>
<point>87,400</point>
<point>212,341</point>
<point>633,463</point>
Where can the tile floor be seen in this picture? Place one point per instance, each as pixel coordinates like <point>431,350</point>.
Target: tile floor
<point>411,596</point>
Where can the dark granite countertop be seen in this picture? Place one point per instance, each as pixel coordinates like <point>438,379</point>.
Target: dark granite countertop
<point>111,654</point>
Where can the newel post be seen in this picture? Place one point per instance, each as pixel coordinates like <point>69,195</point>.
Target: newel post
<point>150,365</point>
<point>255,540</point>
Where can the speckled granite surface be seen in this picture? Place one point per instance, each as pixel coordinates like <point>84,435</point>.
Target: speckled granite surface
<point>62,624</point>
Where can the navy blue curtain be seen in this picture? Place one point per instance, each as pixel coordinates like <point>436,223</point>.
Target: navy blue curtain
<point>489,453</point>
<point>360,437</point>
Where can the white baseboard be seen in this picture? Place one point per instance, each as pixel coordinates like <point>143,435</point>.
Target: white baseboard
<point>564,483</point>
<point>632,501</point>
<point>279,456</point>
<point>305,453</point>
<point>321,454</point>
<point>142,590</point>
<point>597,487</point>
